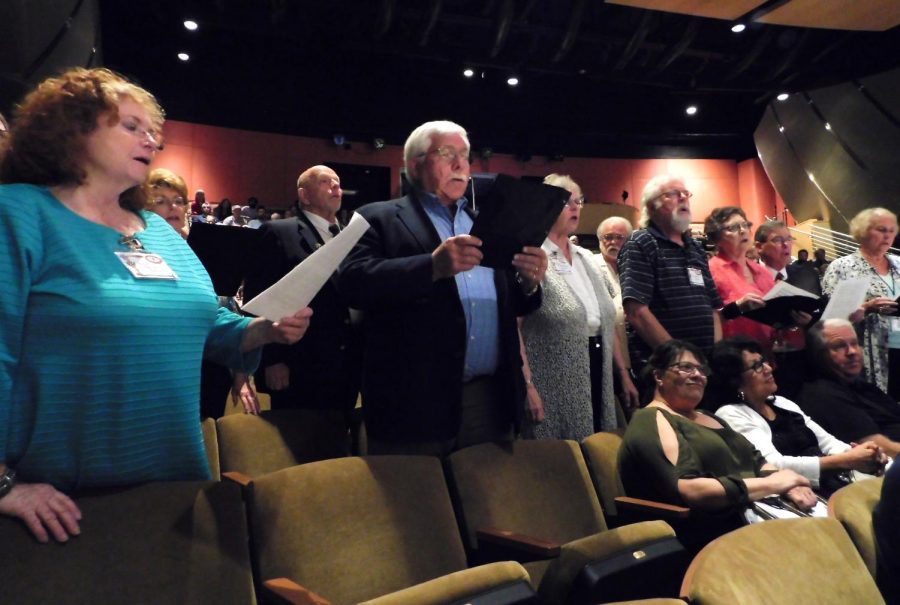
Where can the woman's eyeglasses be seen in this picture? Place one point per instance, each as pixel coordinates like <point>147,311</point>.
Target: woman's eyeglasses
<point>757,366</point>
<point>162,201</point>
<point>685,368</point>
<point>743,226</point>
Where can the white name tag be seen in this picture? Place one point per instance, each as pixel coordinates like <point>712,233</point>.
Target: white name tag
<point>895,324</point>
<point>695,276</point>
<point>561,266</point>
<point>146,266</point>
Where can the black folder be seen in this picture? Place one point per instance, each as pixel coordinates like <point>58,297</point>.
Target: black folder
<point>515,214</point>
<point>777,311</point>
<point>228,253</point>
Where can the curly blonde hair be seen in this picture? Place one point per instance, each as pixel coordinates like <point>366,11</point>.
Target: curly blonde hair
<point>45,145</point>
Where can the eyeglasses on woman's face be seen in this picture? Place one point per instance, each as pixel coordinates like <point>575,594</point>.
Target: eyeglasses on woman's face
<point>736,227</point>
<point>758,366</point>
<point>686,368</point>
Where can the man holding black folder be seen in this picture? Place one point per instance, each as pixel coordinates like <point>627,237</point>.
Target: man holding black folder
<point>441,366</point>
<point>322,371</point>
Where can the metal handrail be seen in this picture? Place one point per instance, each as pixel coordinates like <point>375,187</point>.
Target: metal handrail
<point>835,243</point>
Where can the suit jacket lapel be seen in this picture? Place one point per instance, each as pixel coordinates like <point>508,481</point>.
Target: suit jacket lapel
<point>413,216</point>
<point>309,236</point>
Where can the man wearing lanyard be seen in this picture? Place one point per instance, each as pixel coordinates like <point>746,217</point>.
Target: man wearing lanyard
<point>441,366</point>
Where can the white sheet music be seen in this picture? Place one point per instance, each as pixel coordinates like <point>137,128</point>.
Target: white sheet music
<point>296,289</point>
<point>782,288</point>
<point>847,297</point>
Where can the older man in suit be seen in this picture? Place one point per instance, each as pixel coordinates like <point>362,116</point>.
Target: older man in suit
<point>441,367</point>
<point>322,371</point>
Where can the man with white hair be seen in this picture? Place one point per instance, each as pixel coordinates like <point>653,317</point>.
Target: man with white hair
<point>667,289</point>
<point>612,234</point>
<point>441,368</point>
<point>839,398</point>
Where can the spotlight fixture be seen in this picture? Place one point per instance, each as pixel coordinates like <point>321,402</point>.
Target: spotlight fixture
<point>184,56</point>
<point>339,139</point>
<point>781,129</point>
<point>190,25</point>
<point>512,81</point>
<point>691,110</point>
<point>378,143</point>
<point>783,96</point>
<point>468,72</point>
<point>827,126</point>
<point>738,28</point>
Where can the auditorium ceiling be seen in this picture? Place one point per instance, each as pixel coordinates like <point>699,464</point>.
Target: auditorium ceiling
<point>594,78</point>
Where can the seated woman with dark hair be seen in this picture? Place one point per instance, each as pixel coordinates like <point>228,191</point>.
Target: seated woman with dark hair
<point>776,426</point>
<point>675,453</point>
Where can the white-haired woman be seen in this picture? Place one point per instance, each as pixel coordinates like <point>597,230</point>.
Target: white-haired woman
<point>569,343</point>
<point>875,230</point>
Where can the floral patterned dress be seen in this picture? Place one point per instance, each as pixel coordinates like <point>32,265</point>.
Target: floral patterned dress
<point>874,330</point>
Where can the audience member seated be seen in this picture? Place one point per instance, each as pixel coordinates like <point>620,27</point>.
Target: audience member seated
<point>741,283</point>
<point>777,427</point>
<point>103,329</point>
<point>875,230</point>
<point>237,218</point>
<point>839,398</point>
<point>886,523</point>
<point>569,344</point>
<point>674,453</point>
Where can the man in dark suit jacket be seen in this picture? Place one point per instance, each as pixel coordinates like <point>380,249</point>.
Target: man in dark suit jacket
<point>442,368</point>
<point>322,371</point>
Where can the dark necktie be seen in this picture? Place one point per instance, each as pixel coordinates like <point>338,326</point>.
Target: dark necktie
<point>334,230</point>
<point>779,276</point>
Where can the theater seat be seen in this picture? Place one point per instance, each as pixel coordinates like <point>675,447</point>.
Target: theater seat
<point>211,443</point>
<point>534,501</point>
<point>351,530</point>
<point>156,544</point>
<point>781,562</point>
<point>853,506</point>
<point>277,439</point>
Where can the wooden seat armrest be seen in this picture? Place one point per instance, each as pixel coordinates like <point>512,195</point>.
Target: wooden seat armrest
<point>653,508</point>
<point>291,592</point>
<point>238,477</point>
<point>521,542</point>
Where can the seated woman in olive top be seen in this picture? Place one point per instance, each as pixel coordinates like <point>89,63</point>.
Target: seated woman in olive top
<point>674,453</point>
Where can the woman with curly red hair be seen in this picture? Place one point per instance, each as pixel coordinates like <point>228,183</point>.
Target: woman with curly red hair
<point>107,312</point>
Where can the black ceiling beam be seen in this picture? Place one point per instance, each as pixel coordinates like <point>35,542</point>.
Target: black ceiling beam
<point>575,19</point>
<point>504,24</point>
<point>433,16</point>
<point>385,18</point>
<point>637,39</point>
<point>761,43</point>
<point>679,47</point>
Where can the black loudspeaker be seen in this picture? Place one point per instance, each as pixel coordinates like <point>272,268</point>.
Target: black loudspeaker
<point>40,38</point>
<point>832,152</point>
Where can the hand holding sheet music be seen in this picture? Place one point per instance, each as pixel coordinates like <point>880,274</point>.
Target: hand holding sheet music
<point>781,300</point>
<point>296,289</point>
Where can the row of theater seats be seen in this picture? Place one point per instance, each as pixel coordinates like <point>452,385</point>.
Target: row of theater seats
<point>404,530</point>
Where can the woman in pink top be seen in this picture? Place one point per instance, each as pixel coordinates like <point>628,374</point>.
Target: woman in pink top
<point>741,282</point>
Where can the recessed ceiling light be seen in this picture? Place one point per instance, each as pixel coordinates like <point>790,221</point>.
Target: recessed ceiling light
<point>184,56</point>
<point>827,126</point>
<point>190,25</point>
<point>783,96</point>
<point>738,28</point>
<point>781,129</point>
<point>468,72</point>
<point>513,81</point>
<point>691,110</point>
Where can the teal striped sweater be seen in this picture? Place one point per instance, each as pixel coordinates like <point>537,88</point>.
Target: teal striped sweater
<point>99,370</point>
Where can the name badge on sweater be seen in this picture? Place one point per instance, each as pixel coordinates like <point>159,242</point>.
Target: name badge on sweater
<point>695,276</point>
<point>144,265</point>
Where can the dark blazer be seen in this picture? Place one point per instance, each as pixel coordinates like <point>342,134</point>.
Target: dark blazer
<point>415,329</point>
<point>325,364</point>
<point>804,276</point>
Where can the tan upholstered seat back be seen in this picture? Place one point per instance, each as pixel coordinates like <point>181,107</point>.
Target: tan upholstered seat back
<point>277,439</point>
<point>164,543</point>
<point>601,451</point>
<point>353,529</point>
<point>781,562</point>
<point>539,488</point>
<point>853,506</point>
<point>211,443</point>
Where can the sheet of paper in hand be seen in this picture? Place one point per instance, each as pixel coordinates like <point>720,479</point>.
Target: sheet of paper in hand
<point>296,289</point>
<point>781,300</point>
<point>515,214</point>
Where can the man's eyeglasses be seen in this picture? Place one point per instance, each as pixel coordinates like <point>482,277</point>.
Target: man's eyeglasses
<point>450,154</point>
<point>742,226</point>
<point>578,202</point>
<point>780,241</point>
<point>162,201</point>
<point>612,237</point>
<point>757,366</point>
<point>676,193</point>
<point>686,368</point>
